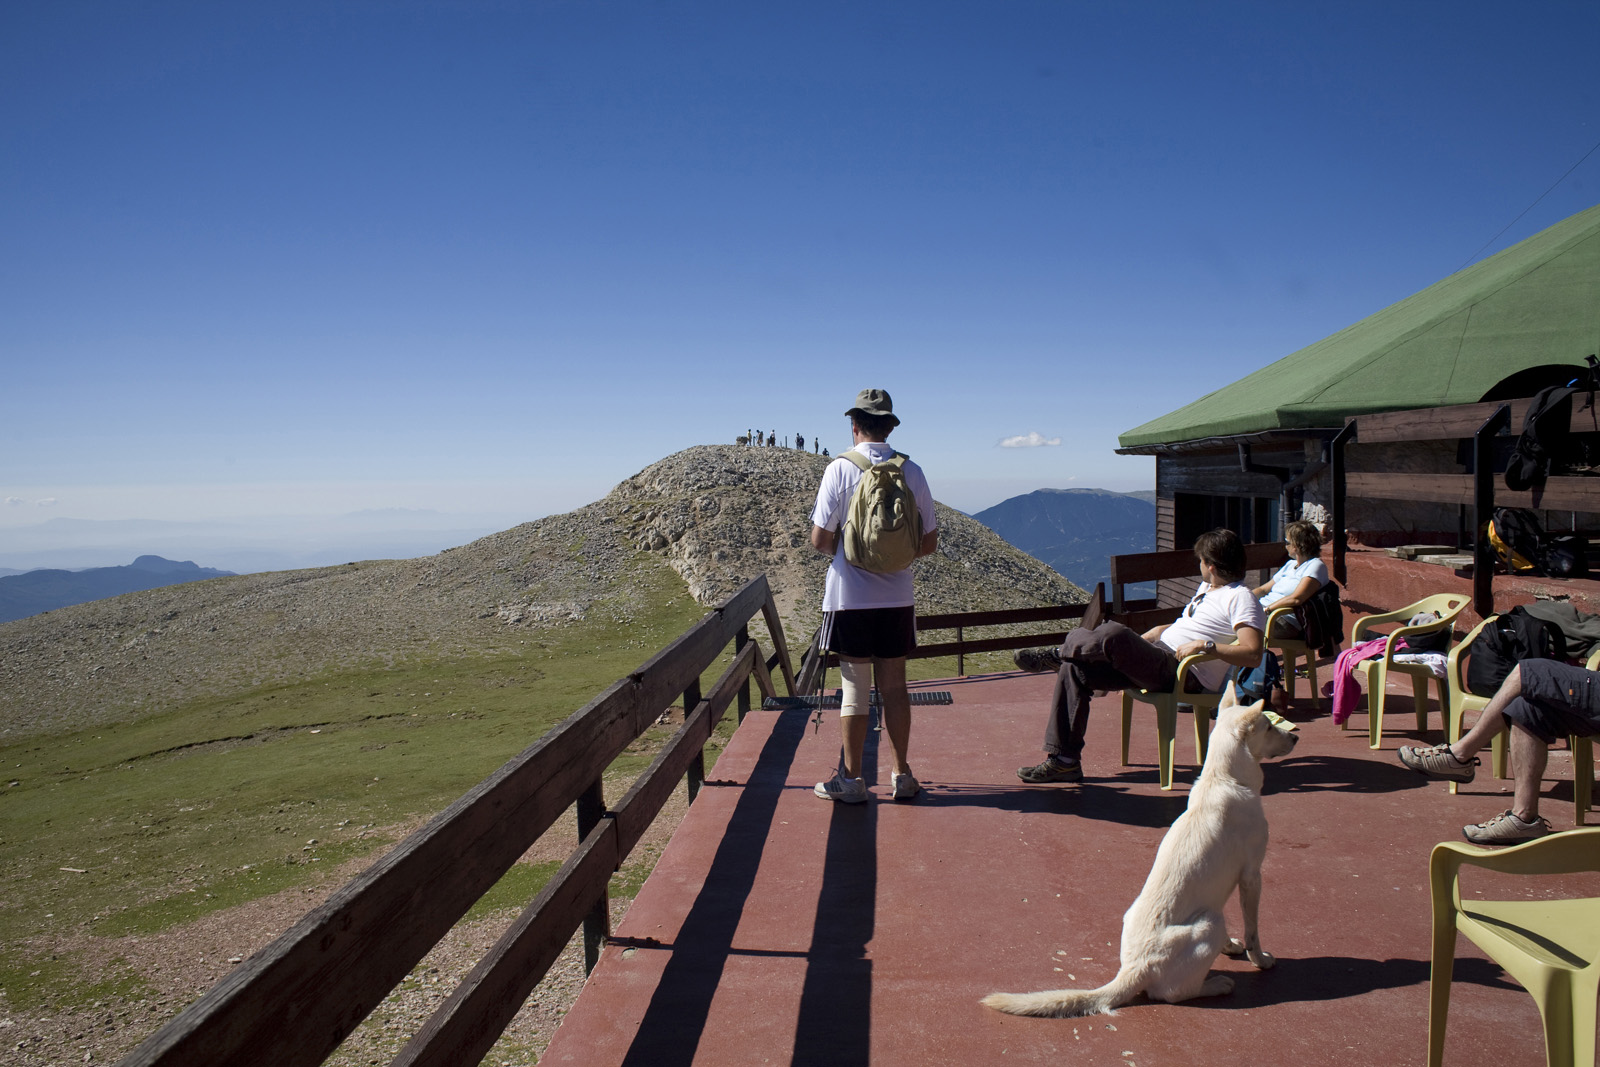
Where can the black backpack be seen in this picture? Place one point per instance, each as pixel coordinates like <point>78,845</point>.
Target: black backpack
<point>1523,547</point>
<point>1547,430</point>
<point>1517,539</point>
<point>1322,620</point>
<point>1510,639</point>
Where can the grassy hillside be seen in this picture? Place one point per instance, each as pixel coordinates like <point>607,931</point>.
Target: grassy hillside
<point>172,755</point>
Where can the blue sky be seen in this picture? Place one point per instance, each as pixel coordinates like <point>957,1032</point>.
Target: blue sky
<point>489,259</point>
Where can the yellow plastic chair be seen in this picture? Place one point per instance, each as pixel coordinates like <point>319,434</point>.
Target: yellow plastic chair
<point>1166,705</point>
<point>1293,649</point>
<point>1550,946</point>
<point>1376,672</point>
<point>1462,700</point>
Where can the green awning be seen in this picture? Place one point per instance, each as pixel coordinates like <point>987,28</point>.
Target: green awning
<point>1537,302</point>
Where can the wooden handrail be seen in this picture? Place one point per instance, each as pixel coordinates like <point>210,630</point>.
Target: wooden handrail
<point>297,999</point>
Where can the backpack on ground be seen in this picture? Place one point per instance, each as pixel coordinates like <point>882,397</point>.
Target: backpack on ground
<point>882,527</point>
<point>1322,620</point>
<point>1511,638</point>
<point>1522,545</point>
<point>1517,537</point>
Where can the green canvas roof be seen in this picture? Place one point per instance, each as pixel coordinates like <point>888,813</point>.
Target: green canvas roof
<point>1538,302</point>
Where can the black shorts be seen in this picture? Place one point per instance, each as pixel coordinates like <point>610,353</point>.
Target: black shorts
<point>1557,700</point>
<point>872,633</point>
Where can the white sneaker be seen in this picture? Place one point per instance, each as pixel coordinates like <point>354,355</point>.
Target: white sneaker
<point>845,790</point>
<point>906,786</point>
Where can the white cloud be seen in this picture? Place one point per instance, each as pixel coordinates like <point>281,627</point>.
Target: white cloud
<point>1031,439</point>
<point>13,501</point>
<point>47,502</point>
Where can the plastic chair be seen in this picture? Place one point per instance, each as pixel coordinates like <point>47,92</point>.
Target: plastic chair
<point>1581,748</point>
<point>1166,705</point>
<point>1294,648</point>
<point>1550,946</point>
<point>1462,700</point>
<point>1376,671</point>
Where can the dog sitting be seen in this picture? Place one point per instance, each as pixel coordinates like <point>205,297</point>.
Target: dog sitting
<point>1175,930</point>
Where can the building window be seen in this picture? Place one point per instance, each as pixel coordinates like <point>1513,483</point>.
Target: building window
<point>1253,518</point>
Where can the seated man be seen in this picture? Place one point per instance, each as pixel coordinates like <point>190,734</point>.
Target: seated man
<point>1541,700</point>
<point>1223,617</point>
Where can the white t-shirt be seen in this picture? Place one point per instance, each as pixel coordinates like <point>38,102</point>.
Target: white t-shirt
<point>1289,576</point>
<point>849,588</point>
<point>1212,615</point>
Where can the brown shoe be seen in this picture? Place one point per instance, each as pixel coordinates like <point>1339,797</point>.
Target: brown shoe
<point>1438,763</point>
<point>1505,829</point>
<point>1037,660</point>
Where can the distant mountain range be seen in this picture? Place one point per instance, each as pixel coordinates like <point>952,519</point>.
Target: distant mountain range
<point>31,592</point>
<point>1074,531</point>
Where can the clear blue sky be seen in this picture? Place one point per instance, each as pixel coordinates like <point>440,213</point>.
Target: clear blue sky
<point>492,258</point>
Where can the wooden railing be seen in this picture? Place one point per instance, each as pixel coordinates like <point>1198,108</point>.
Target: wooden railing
<point>1088,613</point>
<point>1153,566</point>
<point>297,999</point>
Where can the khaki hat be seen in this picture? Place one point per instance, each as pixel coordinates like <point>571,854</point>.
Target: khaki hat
<point>874,402</point>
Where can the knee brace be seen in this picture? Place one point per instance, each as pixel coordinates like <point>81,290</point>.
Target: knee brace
<point>857,696</point>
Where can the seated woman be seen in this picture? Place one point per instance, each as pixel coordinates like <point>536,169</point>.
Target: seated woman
<point>1222,618</point>
<point>1298,579</point>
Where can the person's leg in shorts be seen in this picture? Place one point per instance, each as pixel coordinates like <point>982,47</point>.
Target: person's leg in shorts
<point>872,645</point>
<point>1540,700</point>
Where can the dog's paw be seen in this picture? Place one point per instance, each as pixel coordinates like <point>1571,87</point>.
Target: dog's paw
<point>1263,960</point>
<point>1234,947</point>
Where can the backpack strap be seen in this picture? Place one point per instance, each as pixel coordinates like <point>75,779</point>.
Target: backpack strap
<point>897,458</point>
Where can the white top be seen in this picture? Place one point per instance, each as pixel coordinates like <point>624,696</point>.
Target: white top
<point>1289,576</point>
<point>849,588</point>
<point>1212,615</point>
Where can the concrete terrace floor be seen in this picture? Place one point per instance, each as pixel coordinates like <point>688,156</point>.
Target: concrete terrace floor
<point>780,928</point>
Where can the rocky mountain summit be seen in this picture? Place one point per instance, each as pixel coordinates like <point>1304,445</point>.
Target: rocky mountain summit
<point>716,515</point>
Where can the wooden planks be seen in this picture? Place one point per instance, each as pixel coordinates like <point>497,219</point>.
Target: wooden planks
<point>1560,493</point>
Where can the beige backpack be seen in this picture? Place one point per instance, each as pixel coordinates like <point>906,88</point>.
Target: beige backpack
<point>882,527</point>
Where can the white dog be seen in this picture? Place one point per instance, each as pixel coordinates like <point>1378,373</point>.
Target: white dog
<point>1175,930</point>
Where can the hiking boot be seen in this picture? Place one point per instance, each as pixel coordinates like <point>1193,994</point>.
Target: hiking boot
<point>1505,829</point>
<point>1051,770</point>
<point>906,786</point>
<point>1037,660</point>
<point>1438,763</point>
<point>845,790</point>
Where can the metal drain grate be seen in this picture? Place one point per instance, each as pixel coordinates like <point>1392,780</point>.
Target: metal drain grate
<point>919,697</point>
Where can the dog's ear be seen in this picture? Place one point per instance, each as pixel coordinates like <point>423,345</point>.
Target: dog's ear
<point>1249,721</point>
<point>1230,696</point>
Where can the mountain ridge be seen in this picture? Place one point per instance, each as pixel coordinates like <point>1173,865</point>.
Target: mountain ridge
<point>714,515</point>
<point>1074,531</point>
<point>46,589</point>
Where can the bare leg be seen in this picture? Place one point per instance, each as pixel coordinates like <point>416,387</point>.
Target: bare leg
<point>1493,719</point>
<point>1529,755</point>
<point>890,675</point>
<point>853,732</point>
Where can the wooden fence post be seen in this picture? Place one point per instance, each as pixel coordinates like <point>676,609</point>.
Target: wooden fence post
<point>697,768</point>
<point>597,924</point>
<point>741,639</point>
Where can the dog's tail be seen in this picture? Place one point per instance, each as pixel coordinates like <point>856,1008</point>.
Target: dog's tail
<point>1066,1003</point>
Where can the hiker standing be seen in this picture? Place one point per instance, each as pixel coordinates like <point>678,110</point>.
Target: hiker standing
<point>868,617</point>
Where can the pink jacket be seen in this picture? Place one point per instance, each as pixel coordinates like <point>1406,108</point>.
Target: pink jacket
<point>1346,690</point>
